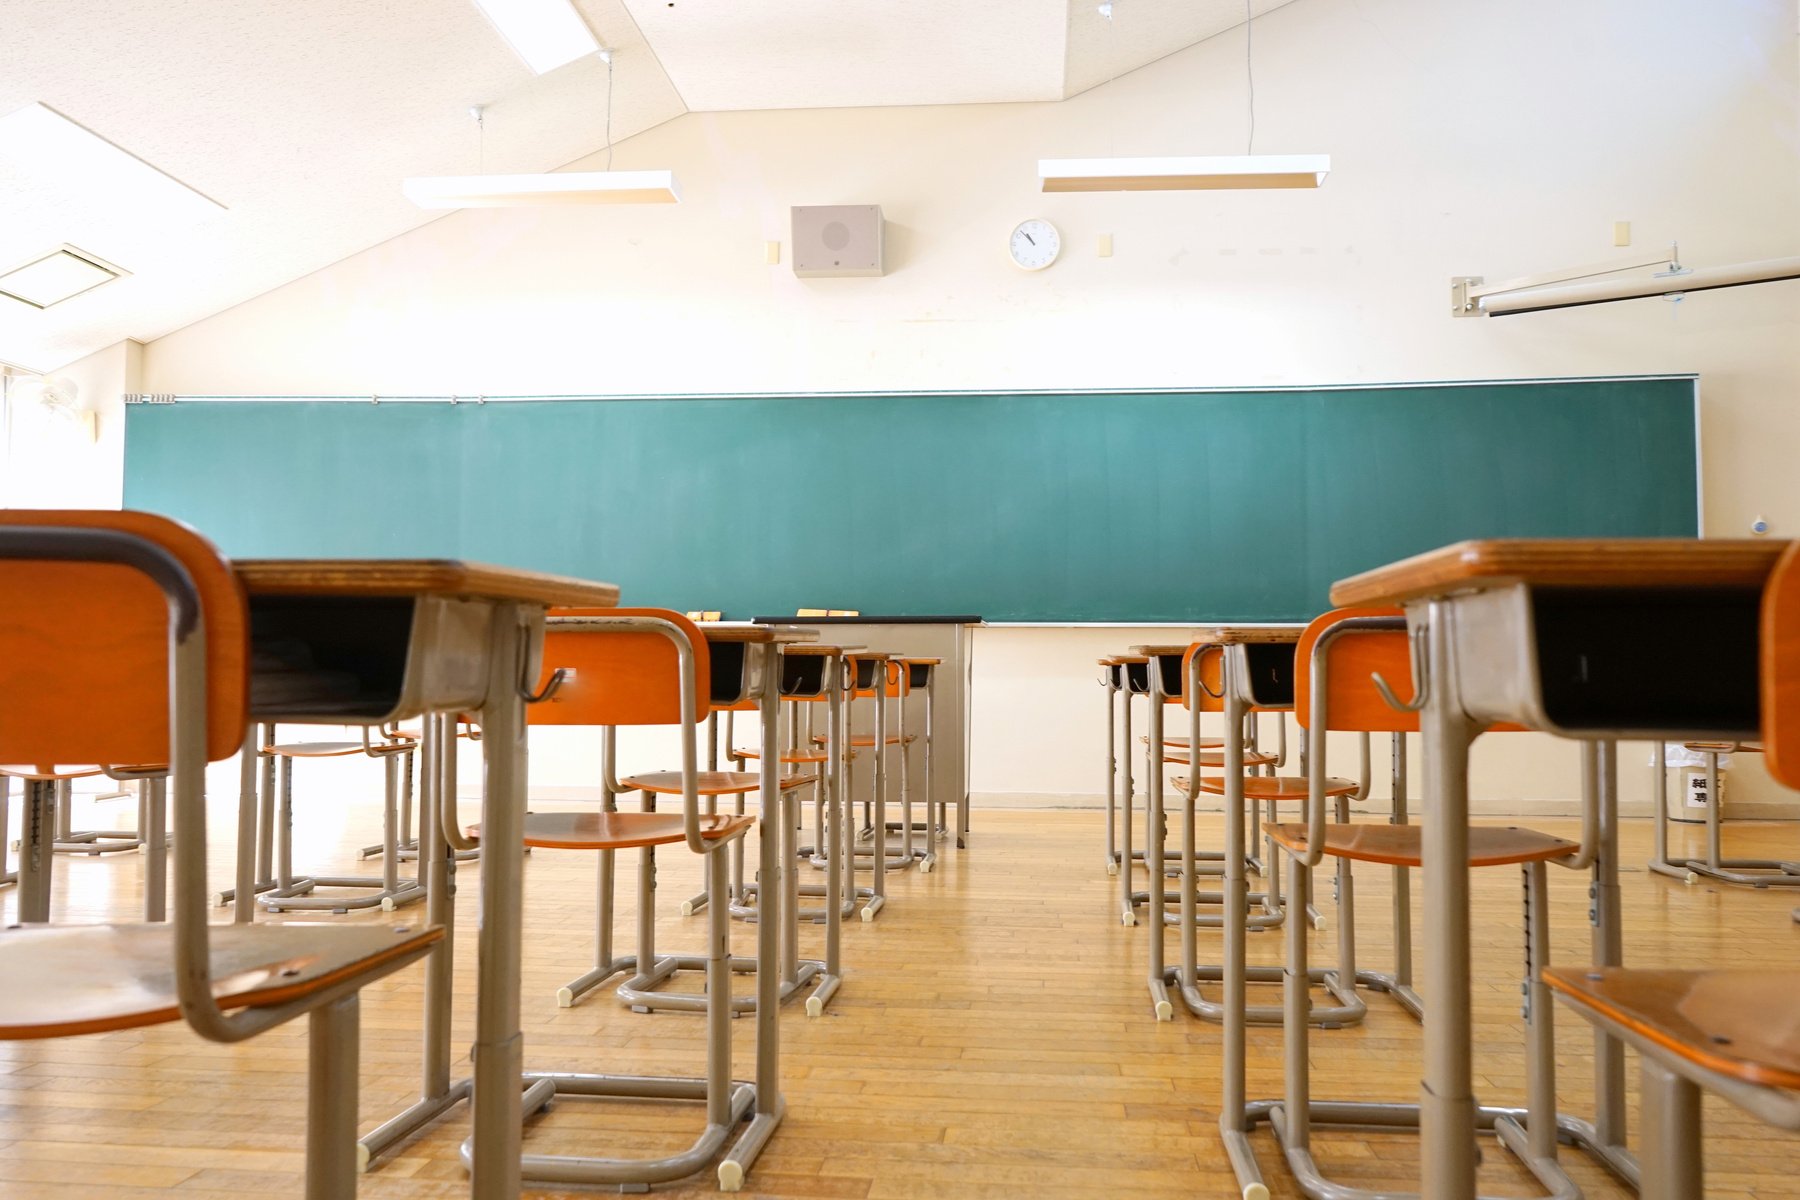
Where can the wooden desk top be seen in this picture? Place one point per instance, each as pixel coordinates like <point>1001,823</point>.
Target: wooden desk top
<point>1239,635</point>
<point>416,577</point>
<point>1226,635</point>
<point>819,649</point>
<point>743,631</point>
<point>1565,562</point>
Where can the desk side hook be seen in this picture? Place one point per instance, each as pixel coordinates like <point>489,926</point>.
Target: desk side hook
<point>1421,684</point>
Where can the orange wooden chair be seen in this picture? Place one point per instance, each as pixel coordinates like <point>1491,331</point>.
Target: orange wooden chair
<point>1340,658</point>
<point>1262,792</point>
<point>633,667</point>
<point>1202,668</point>
<point>1735,1033</point>
<point>387,891</point>
<point>1737,871</point>
<point>151,607</point>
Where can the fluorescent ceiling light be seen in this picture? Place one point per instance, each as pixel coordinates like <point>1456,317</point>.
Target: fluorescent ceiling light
<point>1166,173</point>
<point>545,33</point>
<point>37,141</point>
<point>56,277</point>
<point>562,187</point>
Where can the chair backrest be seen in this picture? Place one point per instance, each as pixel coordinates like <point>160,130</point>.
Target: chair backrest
<point>620,678</point>
<point>1781,670</point>
<point>1352,658</point>
<point>84,644</point>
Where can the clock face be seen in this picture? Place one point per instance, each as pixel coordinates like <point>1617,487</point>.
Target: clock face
<point>1034,244</point>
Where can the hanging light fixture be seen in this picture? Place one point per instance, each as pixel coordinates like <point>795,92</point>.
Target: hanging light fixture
<point>565,187</point>
<point>551,187</point>
<point>1177,173</point>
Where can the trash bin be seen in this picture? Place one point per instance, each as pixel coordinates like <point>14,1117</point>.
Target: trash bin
<point>1687,801</point>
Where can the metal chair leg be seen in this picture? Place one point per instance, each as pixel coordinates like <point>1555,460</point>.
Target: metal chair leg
<point>1671,1163</point>
<point>332,1052</point>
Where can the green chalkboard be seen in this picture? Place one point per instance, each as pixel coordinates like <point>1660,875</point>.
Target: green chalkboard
<point>1031,507</point>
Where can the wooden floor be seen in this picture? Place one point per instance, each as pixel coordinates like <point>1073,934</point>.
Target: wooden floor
<point>993,1038</point>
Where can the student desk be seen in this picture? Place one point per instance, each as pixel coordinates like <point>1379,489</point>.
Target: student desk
<point>1568,637</point>
<point>949,638</point>
<point>750,662</point>
<point>338,641</point>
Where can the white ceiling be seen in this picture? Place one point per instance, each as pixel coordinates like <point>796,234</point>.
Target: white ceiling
<point>301,119</point>
<point>744,54</point>
<point>1142,31</point>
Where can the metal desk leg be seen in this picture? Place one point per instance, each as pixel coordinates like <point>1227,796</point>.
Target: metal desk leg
<point>939,817</point>
<point>1659,857</point>
<point>1155,842</point>
<point>266,820</point>
<point>836,839</point>
<point>878,782</point>
<point>7,875</point>
<point>1608,951</point>
<point>1446,1094</point>
<point>1127,901</point>
<point>1234,1122</point>
<point>437,1094</point>
<point>499,1050</point>
<point>243,896</point>
<point>265,817</point>
<point>771,922</point>
<point>1112,773</point>
<point>156,866</point>
<point>832,843</point>
<point>37,840</point>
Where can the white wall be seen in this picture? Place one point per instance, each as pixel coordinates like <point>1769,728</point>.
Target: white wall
<point>50,461</point>
<point>1489,139</point>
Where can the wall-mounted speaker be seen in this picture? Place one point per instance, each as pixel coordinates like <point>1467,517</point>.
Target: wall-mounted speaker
<point>837,240</point>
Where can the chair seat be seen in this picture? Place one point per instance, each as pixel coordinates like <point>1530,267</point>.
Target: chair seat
<point>1741,1023</point>
<point>1402,845</point>
<point>711,783</point>
<point>1725,747</point>
<point>42,773</point>
<point>620,830</point>
<point>1270,787</point>
<point>1181,758</point>
<point>72,979</point>
<point>314,749</point>
<point>1206,743</point>
<point>787,756</point>
<point>866,741</point>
